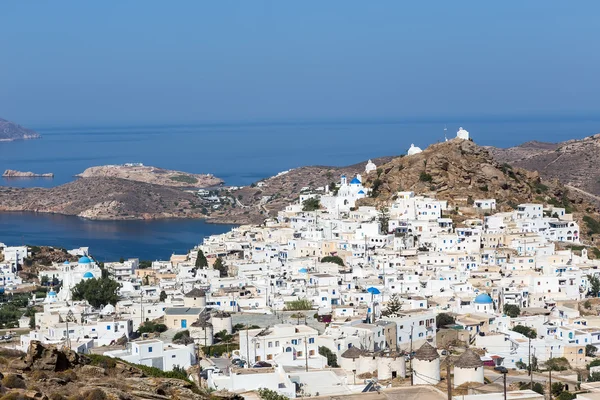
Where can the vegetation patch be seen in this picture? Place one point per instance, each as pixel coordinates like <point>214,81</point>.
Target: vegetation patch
<point>184,178</point>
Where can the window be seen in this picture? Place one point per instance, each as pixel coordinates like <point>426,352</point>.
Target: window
<point>295,341</point>
<point>311,353</point>
<point>257,358</point>
<point>269,356</point>
<point>150,349</point>
<point>311,340</point>
<point>173,356</point>
<point>277,343</point>
<point>299,354</point>
<point>270,344</point>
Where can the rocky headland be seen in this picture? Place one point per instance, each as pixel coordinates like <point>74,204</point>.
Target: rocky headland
<point>153,175</point>
<point>11,173</point>
<point>104,199</point>
<point>10,131</point>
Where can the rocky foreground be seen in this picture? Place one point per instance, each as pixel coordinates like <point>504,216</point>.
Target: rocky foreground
<point>47,372</point>
<point>10,131</point>
<point>153,175</point>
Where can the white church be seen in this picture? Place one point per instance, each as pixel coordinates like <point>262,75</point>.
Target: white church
<point>462,134</point>
<point>70,274</point>
<point>347,195</point>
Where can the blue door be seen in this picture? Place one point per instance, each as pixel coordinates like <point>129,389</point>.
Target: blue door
<point>184,323</point>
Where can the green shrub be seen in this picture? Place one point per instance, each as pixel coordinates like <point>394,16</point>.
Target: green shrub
<point>333,259</point>
<point>13,381</point>
<point>95,394</point>
<point>184,179</point>
<point>592,224</point>
<point>151,327</point>
<point>425,177</point>
<point>181,334</point>
<point>298,305</point>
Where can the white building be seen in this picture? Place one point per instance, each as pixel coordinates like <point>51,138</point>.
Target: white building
<point>155,353</point>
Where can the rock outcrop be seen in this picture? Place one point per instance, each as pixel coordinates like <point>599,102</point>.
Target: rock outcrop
<point>11,173</point>
<point>10,131</point>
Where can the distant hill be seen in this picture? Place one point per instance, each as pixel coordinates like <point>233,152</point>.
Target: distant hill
<point>574,162</point>
<point>11,131</point>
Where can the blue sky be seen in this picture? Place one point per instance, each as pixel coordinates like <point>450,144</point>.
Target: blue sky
<point>191,61</point>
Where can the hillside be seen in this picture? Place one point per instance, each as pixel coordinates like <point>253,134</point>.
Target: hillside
<point>461,171</point>
<point>265,198</point>
<point>104,198</point>
<point>47,372</point>
<point>154,175</point>
<point>574,162</point>
<point>456,169</point>
<point>11,131</point>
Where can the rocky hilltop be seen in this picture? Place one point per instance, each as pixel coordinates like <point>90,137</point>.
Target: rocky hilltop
<point>456,169</point>
<point>104,199</point>
<point>11,131</point>
<point>265,198</point>
<point>574,162</point>
<point>48,372</point>
<point>154,175</point>
<point>11,173</point>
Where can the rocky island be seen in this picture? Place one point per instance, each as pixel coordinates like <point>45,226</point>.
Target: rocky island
<point>11,173</point>
<point>10,131</point>
<point>147,174</point>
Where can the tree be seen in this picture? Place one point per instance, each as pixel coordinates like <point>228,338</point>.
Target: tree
<point>384,220</point>
<point>594,285</point>
<point>223,336</point>
<point>594,377</point>
<point>566,396</point>
<point>330,355</point>
<point>201,260</point>
<point>44,281</point>
<point>512,310</point>
<point>311,204</point>
<point>557,364</point>
<point>557,388</point>
<point>333,259</point>
<point>393,306</point>
<point>590,350</point>
<point>121,260</point>
<point>525,331</point>
<point>594,363</point>
<point>97,292</point>
<point>443,319</point>
<point>163,296</point>
<point>219,266</point>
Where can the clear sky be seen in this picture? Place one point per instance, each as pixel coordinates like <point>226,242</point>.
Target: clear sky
<point>182,61</point>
